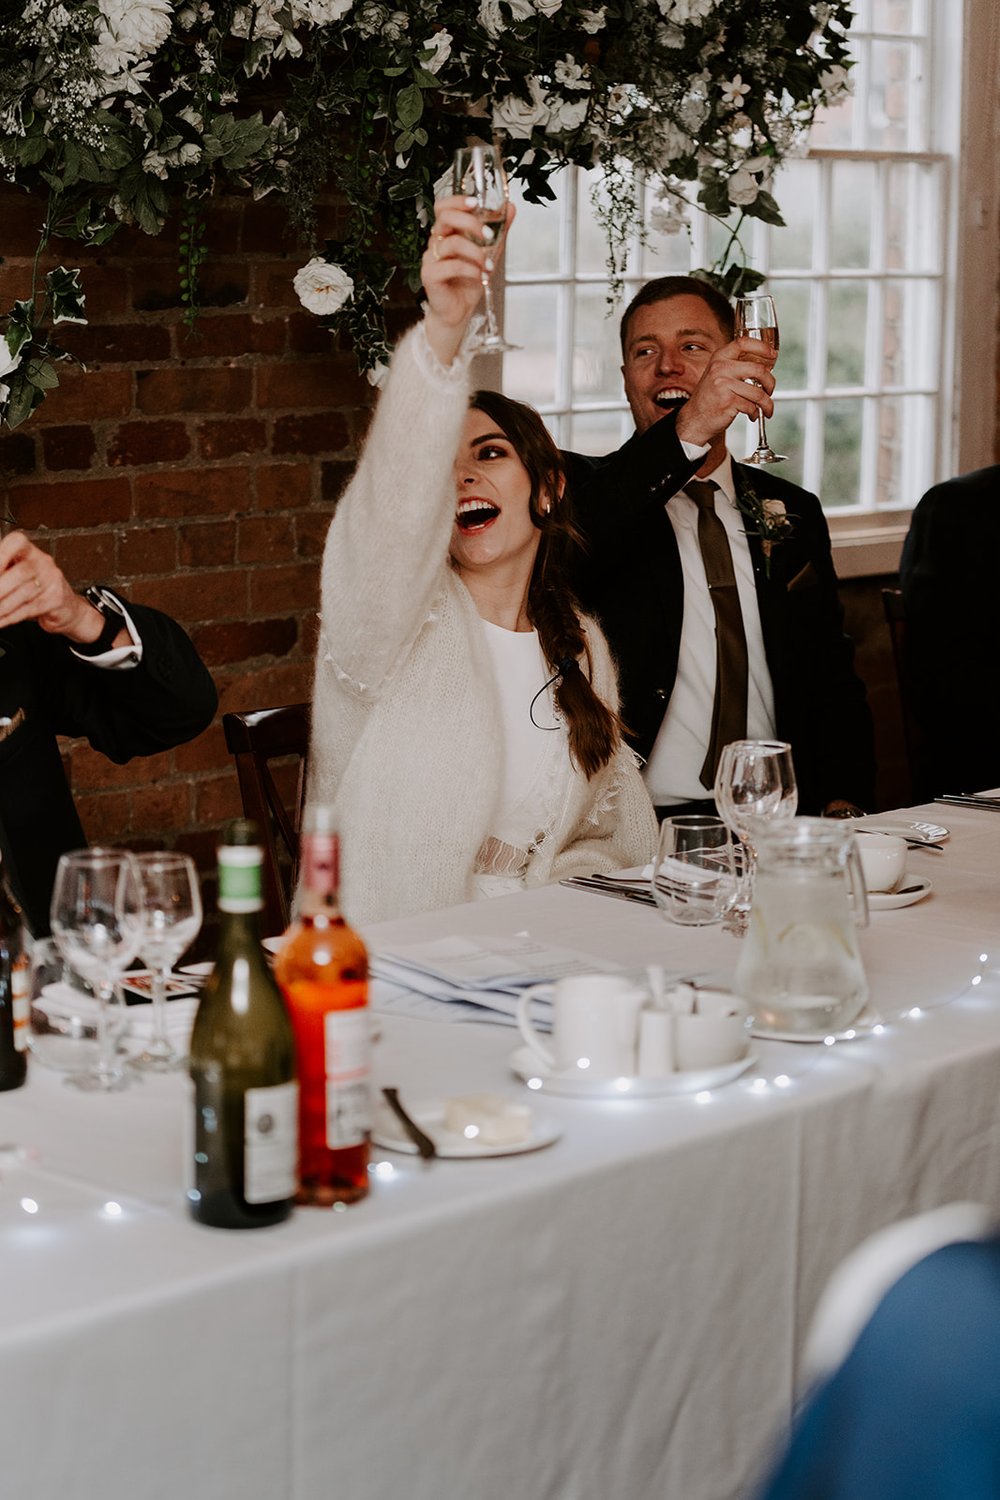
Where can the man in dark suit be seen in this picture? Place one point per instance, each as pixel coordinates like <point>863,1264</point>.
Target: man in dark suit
<point>647,574</point>
<point>125,676</point>
<point>948,578</point>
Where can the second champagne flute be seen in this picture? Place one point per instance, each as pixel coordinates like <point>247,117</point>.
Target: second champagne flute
<point>171,920</point>
<point>479,173</point>
<point>755,784</point>
<point>756,318</point>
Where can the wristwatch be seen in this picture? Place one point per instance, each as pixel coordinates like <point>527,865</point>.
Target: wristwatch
<point>114,618</point>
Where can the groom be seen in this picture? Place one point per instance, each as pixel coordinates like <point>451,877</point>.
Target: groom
<point>719,598</point>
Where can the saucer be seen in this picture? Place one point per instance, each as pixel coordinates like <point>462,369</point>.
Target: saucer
<point>429,1115</point>
<point>891,900</point>
<point>527,1066</point>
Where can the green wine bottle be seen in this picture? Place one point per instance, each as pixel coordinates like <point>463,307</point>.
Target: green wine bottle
<point>242,1063</point>
<point>15,977</point>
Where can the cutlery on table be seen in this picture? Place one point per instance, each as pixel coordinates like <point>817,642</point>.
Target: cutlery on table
<point>423,1143</point>
<point>969,799</point>
<point>605,888</point>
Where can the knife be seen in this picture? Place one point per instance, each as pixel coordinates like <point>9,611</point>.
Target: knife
<point>585,883</point>
<point>967,799</point>
<point>423,1142</point>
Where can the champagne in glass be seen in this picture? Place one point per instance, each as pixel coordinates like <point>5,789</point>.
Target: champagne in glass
<point>479,173</point>
<point>171,919</point>
<point>756,318</point>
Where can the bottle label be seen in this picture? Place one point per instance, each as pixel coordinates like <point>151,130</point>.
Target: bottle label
<point>347,1036</point>
<point>271,1146</point>
<point>20,994</point>
<point>240,877</point>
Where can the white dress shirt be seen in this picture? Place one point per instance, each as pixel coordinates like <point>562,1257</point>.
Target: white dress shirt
<point>673,773</point>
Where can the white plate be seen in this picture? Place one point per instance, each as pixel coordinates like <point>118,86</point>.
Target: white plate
<point>429,1115</point>
<point>528,1067</point>
<point>863,1026</point>
<point>890,900</point>
<point>917,833</point>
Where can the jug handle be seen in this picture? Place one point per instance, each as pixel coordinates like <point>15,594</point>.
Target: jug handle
<point>859,890</point>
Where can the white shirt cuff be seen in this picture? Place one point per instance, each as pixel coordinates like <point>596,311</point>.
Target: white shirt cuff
<point>694,450</point>
<point>119,658</point>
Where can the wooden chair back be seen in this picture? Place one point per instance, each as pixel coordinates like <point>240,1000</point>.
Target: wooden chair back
<point>270,747</point>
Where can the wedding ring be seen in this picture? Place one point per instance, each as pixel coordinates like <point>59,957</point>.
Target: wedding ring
<point>38,584</point>
<point>434,246</point>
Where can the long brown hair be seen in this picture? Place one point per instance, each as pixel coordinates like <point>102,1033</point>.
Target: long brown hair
<point>594,730</point>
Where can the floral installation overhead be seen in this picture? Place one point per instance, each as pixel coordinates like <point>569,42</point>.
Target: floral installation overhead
<point>128,111</point>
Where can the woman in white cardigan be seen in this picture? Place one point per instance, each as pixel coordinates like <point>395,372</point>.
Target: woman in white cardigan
<point>464,715</point>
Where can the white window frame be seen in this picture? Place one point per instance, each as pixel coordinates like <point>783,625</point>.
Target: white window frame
<point>962,124</point>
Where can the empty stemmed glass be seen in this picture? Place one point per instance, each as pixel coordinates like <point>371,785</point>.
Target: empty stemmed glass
<point>478,173</point>
<point>96,927</point>
<point>756,318</point>
<point>694,873</point>
<point>754,784</point>
<point>170,921</point>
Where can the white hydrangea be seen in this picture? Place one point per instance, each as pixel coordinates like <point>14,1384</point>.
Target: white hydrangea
<point>322,287</point>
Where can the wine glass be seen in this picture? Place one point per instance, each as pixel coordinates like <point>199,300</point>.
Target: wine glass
<point>754,784</point>
<point>694,873</point>
<point>96,925</point>
<point>756,319</point>
<point>170,922</point>
<point>478,173</point>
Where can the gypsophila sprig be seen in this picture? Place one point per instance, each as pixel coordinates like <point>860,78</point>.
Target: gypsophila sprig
<point>123,111</point>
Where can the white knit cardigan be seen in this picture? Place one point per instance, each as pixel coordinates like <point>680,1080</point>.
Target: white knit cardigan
<point>406,738</point>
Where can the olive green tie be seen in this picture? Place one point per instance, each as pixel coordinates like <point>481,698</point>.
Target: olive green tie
<point>729,711</point>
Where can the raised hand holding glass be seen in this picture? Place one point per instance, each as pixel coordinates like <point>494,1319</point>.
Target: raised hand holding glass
<point>756,318</point>
<point>478,173</point>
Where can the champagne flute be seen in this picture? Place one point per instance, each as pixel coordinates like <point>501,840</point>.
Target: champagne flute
<point>171,920</point>
<point>96,926</point>
<point>478,173</point>
<point>756,318</point>
<point>754,784</point>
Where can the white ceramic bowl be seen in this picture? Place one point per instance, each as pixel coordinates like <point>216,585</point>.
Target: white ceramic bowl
<point>719,1033</point>
<point>883,859</point>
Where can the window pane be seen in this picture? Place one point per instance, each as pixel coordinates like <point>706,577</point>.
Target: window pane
<point>848,318</point>
<point>596,350</point>
<point>905,444</point>
<point>889,103</point>
<point>591,239</point>
<point>893,15</point>
<point>913,217</point>
<point>841,454</point>
<point>785,433</point>
<point>910,339</point>
<point>529,319</point>
<point>666,255</point>
<point>533,247</point>
<point>795,190</point>
<point>853,186</point>
<point>791,299</point>
<point>599,431</point>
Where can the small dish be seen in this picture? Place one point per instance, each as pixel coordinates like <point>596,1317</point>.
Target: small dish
<point>915,890</point>
<point>576,1085</point>
<point>429,1115</point>
<point>914,833</point>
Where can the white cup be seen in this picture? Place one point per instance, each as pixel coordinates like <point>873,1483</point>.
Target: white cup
<point>716,1034</point>
<point>595,1019</point>
<point>883,859</point>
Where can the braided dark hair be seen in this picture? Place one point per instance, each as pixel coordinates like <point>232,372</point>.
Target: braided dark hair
<point>594,729</point>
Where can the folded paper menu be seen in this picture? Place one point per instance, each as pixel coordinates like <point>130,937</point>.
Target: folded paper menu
<point>473,978</point>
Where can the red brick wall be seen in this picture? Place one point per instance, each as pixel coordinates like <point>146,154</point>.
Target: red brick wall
<point>196,470</point>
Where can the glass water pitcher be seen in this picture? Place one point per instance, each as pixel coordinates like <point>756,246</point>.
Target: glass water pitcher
<point>799,969</point>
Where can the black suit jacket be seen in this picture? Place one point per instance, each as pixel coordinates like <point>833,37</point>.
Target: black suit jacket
<point>948,577</point>
<point>631,579</point>
<point>45,691</point>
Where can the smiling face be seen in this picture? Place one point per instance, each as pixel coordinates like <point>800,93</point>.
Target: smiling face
<point>493,525</point>
<point>667,347</point>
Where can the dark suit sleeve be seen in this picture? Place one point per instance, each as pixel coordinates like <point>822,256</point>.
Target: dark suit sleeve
<point>820,702</point>
<point>165,700</point>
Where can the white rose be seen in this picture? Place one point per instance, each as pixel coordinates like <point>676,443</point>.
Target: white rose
<point>570,74</point>
<point>742,188</point>
<point>836,80</point>
<point>683,11</point>
<point>566,115</point>
<point>521,10</point>
<point>775,512</point>
<point>548,7</point>
<point>490,18</point>
<point>256,21</point>
<point>323,288</point>
<point>155,164</point>
<point>439,46</point>
<point>519,117</point>
<point>592,21</point>
<point>319,12</point>
<point>8,362</point>
<point>140,26</point>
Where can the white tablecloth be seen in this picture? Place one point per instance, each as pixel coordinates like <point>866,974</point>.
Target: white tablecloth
<point>617,1315</point>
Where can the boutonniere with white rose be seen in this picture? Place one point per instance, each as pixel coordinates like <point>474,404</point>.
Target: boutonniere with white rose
<point>770,521</point>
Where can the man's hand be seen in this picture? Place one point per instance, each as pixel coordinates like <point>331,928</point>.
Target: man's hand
<point>723,394</point>
<point>32,587</point>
